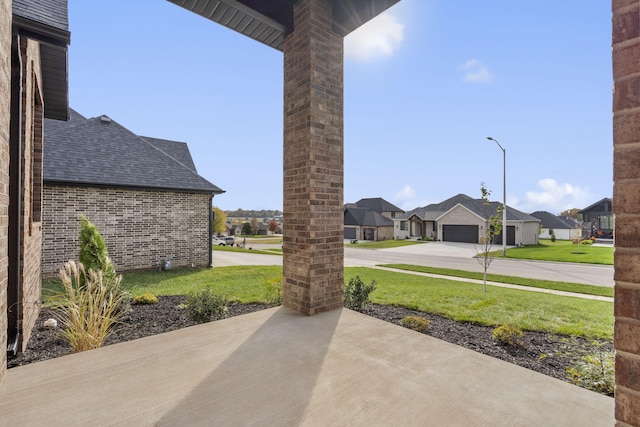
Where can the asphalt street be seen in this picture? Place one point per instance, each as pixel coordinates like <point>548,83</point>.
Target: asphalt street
<point>445,255</point>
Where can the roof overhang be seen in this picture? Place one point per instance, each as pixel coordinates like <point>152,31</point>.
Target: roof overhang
<point>269,22</point>
<point>53,57</point>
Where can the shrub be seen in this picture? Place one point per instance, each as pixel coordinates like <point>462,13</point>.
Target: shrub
<point>417,323</point>
<point>594,372</point>
<point>552,237</point>
<point>273,291</point>
<point>88,309</point>
<point>508,335</point>
<point>586,242</point>
<point>93,250</point>
<point>205,306</point>
<point>356,293</point>
<point>145,299</point>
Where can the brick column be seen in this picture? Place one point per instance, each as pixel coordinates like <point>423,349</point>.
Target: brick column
<point>5,109</point>
<point>313,161</point>
<point>626,207</point>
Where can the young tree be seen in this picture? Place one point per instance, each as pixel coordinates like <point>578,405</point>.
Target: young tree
<point>246,228</point>
<point>273,226</point>
<point>219,220</point>
<point>255,226</point>
<point>492,230</point>
<point>93,251</point>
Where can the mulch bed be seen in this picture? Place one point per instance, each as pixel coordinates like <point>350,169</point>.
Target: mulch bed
<point>545,353</point>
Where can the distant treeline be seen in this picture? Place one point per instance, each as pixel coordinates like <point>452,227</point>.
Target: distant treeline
<point>238,213</point>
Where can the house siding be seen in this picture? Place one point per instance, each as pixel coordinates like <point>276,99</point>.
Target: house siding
<point>528,234</point>
<point>139,227</point>
<point>459,215</point>
<point>5,114</point>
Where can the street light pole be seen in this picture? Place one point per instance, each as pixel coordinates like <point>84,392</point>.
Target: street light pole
<point>504,196</point>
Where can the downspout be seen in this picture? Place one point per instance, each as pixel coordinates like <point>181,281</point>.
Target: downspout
<point>14,291</point>
<point>210,230</point>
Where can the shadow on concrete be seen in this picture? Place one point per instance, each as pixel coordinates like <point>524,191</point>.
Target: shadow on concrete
<point>253,386</point>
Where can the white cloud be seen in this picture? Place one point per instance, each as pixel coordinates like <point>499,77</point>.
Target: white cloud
<point>407,199</point>
<point>556,197</point>
<point>379,37</point>
<point>476,72</point>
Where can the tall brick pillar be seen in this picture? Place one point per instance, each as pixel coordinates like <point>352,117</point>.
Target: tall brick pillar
<point>313,260</point>
<point>626,207</point>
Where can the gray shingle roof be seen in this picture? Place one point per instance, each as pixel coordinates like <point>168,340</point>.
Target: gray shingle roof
<point>377,204</point>
<point>550,220</point>
<point>48,12</point>
<point>99,151</point>
<point>365,217</point>
<point>177,150</point>
<point>477,206</point>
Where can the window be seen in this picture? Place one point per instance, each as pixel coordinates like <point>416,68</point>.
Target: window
<point>404,225</point>
<point>605,222</point>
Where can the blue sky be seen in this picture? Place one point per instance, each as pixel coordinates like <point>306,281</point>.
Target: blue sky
<point>425,84</point>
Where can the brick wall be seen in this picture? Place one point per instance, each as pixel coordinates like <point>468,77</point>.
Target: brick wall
<point>313,161</point>
<point>139,227</point>
<point>626,207</point>
<point>5,114</point>
<point>31,181</point>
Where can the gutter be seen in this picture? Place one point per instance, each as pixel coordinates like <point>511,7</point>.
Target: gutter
<point>210,231</point>
<point>14,291</point>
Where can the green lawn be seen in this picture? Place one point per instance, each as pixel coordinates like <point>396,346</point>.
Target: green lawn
<point>251,251</point>
<point>382,244</point>
<point>455,300</point>
<point>563,251</point>
<point>522,281</point>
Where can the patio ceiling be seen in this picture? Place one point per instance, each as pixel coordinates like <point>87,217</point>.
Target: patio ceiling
<point>270,21</point>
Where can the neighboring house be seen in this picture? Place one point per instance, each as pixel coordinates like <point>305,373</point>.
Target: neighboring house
<point>144,195</point>
<point>464,219</point>
<point>563,228</point>
<point>370,219</point>
<point>597,220</point>
<point>379,205</point>
<point>365,224</point>
<point>34,36</point>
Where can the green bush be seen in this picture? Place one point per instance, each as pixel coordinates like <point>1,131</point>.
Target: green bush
<point>508,335</point>
<point>552,237</point>
<point>417,323</point>
<point>205,306</point>
<point>145,299</point>
<point>93,251</point>
<point>273,291</point>
<point>594,372</point>
<point>586,242</point>
<point>356,293</point>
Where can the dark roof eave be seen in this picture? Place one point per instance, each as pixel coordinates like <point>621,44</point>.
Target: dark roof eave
<point>60,182</point>
<point>53,55</point>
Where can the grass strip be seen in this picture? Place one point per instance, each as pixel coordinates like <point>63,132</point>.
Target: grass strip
<point>383,244</point>
<point>248,251</point>
<point>466,302</point>
<point>562,251</point>
<point>513,280</point>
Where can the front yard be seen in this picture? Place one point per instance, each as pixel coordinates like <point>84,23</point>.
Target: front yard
<point>561,251</point>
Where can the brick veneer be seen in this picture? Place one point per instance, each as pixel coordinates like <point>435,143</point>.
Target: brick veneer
<point>30,182</point>
<point>626,207</point>
<point>313,249</point>
<point>5,114</point>
<point>139,227</point>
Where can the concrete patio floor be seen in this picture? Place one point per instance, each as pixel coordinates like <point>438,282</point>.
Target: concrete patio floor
<point>279,368</point>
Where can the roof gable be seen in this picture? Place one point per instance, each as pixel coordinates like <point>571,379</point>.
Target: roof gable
<point>377,204</point>
<point>549,220</point>
<point>365,217</point>
<point>603,205</point>
<point>99,151</point>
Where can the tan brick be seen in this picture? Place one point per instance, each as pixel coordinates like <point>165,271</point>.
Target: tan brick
<point>627,232</point>
<point>625,59</point>
<point>627,302</point>
<point>627,265</point>
<point>628,407</point>
<point>628,371</point>
<point>626,197</point>
<point>626,335</point>
<point>626,93</point>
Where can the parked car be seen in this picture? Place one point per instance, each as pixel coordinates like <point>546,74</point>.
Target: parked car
<point>229,240</point>
<point>216,241</point>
